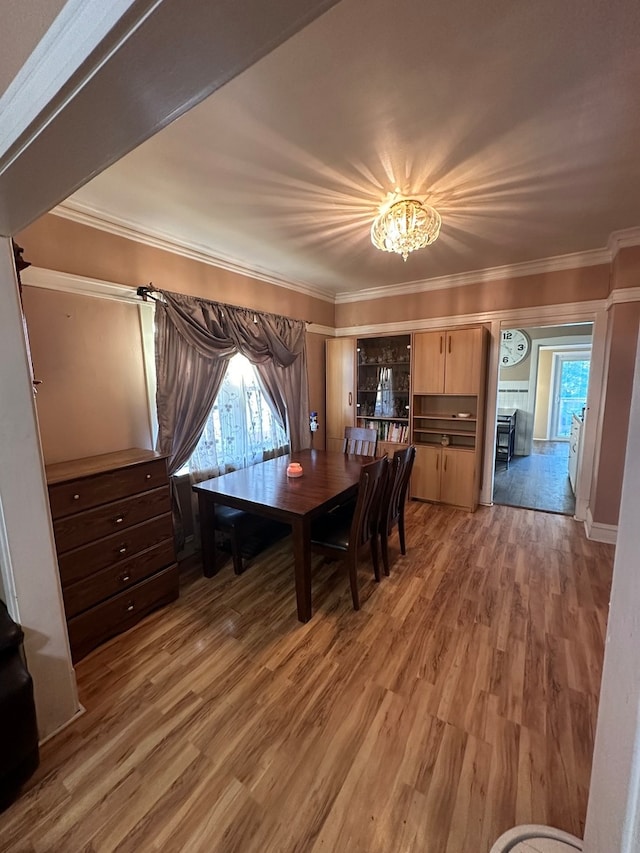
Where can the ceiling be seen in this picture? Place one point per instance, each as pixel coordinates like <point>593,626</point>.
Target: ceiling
<point>519,121</point>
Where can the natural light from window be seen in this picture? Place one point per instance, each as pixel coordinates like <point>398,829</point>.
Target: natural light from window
<point>241,429</point>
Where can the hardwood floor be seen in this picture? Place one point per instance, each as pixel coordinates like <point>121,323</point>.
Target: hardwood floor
<point>459,701</point>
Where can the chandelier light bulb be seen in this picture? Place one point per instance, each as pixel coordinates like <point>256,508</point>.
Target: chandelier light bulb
<point>404,226</point>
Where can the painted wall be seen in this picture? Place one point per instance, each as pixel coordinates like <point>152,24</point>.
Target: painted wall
<point>88,351</point>
<point>613,813</point>
<point>59,244</point>
<point>623,324</point>
<point>88,354</point>
<point>566,286</point>
<point>543,394</point>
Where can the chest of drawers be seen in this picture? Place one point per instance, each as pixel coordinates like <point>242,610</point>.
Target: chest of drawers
<point>114,538</point>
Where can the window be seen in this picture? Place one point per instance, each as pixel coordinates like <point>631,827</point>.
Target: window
<point>571,371</point>
<point>241,428</point>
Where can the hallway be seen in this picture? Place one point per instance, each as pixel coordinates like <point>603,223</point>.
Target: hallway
<point>539,481</point>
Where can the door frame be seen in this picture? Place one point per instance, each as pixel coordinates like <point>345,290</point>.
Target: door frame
<point>550,316</point>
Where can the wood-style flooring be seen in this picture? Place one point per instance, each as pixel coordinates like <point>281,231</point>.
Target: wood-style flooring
<point>459,701</point>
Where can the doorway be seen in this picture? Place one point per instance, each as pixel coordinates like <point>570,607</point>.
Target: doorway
<point>542,393</point>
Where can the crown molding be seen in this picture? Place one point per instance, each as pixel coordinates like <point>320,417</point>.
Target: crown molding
<point>623,294</point>
<point>86,215</point>
<point>83,286</point>
<point>577,260</point>
<point>568,312</point>
<point>623,239</point>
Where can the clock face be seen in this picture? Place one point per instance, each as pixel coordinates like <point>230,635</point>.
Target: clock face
<point>514,347</point>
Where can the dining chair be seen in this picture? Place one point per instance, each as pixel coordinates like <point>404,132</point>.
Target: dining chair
<point>393,501</point>
<point>246,532</point>
<point>342,534</point>
<point>361,440</point>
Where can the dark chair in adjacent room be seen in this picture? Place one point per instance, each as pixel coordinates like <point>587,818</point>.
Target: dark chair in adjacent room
<point>360,440</point>
<point>393,501</point>
<point>342,534</point>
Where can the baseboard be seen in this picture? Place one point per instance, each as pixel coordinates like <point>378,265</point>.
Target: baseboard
<point>81,710</point>
<point>599,532</point>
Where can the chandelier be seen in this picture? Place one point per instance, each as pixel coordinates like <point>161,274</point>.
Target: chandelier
<point>404,226</point>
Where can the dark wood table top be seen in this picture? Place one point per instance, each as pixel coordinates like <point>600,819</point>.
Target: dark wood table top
<point>327,476</point>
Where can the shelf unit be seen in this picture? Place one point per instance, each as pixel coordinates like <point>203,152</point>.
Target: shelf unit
<point>383,389</point>
<point>436,416</point>
<point>448,378</point>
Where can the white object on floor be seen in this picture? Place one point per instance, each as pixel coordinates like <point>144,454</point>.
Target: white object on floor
<point>531,838</point>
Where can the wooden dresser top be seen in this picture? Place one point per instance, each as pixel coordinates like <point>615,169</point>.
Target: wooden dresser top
<point>59,472</point>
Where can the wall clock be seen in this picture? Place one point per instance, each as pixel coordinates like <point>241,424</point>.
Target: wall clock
<point>514,347</point>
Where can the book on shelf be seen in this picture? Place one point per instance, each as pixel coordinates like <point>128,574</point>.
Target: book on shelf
<point>390,431</point>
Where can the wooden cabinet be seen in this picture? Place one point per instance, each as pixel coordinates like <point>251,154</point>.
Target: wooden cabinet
<point>445,475</point>
<point>114,537</point>
<point>368,385</point>
<point>340,404</point>
<point>382,389</point>
<point>447,414</point>
<point>448,361</point>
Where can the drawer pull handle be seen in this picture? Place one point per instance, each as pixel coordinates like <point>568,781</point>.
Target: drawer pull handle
<point>123,550</point>
<point>119,519</point>
<point>125,577</point>
<point>76,497</point>
<point>131,606</point>
<point>147,476</point>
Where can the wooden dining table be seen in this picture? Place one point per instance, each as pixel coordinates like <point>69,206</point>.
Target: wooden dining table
<point>264,489</point>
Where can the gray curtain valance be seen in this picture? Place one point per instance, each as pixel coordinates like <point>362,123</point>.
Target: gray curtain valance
<point>214,328</point>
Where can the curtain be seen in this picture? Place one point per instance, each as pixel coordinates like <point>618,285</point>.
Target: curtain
<point>240,430</point>
<point>195,338</point>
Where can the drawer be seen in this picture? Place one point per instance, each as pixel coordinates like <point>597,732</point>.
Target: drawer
<point>86,492</point>
<point>92,627</point>
<point>101,585</point>
<point>113,550</point>
<point>75,530</point>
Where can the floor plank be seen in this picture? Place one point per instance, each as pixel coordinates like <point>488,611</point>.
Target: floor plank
<point>460,700</point>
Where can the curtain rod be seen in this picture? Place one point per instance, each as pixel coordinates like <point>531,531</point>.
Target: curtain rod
<point>145,291</point>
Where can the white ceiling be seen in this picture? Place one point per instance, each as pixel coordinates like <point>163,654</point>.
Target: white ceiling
<point>519,121</point>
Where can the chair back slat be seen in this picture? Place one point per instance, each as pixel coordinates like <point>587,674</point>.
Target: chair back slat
<point>366,513</point>
<point>396,488</point>
<point>360,440</point>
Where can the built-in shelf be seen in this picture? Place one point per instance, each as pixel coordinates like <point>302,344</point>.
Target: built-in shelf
<point>376,418</point>
<point>446,418</point>
<point>421,431</point>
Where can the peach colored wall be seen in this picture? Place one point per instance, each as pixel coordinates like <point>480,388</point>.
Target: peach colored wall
<point>624,322</point>
<point>59,244</point>
<point>555,288</point>
<point>543,393</point>
<point>626,268</point>
<point>88,354</point>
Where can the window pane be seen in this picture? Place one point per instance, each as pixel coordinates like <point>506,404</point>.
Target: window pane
<point>572,397</point>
